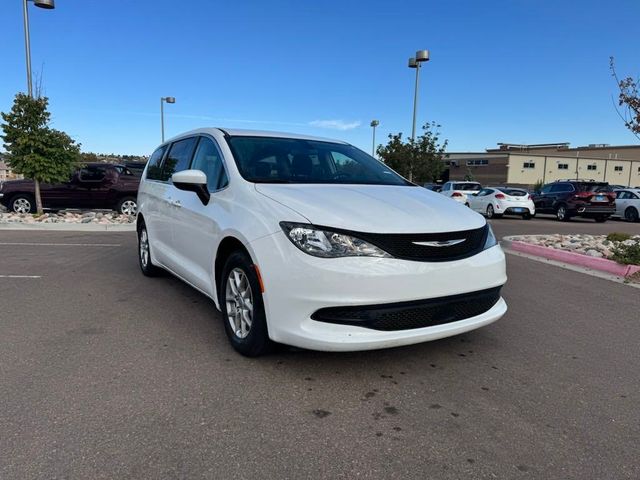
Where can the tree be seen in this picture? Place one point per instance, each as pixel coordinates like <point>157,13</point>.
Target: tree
<point>419,160</point>
<point>628,100</point>
<point>34,149</point>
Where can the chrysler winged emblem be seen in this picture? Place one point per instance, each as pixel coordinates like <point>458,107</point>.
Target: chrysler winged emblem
<point>443,243</point>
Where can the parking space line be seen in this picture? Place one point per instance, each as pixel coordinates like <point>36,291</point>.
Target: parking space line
<point>20,276</point>
<point>22,244</point>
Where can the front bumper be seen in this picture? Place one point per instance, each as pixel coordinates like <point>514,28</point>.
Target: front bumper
<point>298,285</point>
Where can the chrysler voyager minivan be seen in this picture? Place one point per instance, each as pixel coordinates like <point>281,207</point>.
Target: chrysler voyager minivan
<point>313,243</point>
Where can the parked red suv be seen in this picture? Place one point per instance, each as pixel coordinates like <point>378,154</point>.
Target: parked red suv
<point>570,198</point>
<point>95,185</point>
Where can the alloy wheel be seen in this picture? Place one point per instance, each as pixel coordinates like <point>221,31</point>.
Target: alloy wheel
<point>129,207</point>
<point>631,215</point>
<point>239,302</point>
<point>490,211</point>
<point>561,213</point>
<point>144,247</point>
<point>21,205</point>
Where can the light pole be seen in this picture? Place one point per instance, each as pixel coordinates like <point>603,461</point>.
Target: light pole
<point>46,4</point>
<point>415,62</point>
<point>374,124</point>
<point>162,100</point>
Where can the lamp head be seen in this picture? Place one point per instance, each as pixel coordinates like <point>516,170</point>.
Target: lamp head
<point>422,56</point>
<point>48,4</point>
<point>375,123</point>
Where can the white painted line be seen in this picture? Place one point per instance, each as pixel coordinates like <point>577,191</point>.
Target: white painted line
<point>61,244</point>
<point>20,276</point>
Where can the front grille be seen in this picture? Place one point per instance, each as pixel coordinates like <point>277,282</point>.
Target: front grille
<point>402,245</point>
<point>416,314</point>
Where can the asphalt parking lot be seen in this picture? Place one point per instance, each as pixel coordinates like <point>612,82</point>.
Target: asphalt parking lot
<point>107,374</point>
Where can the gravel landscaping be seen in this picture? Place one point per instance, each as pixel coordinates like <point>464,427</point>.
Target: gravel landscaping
<point>597,246</point>
<point>65,216</point>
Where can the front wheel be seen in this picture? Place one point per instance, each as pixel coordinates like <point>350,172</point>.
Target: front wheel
<point>23,203</point>
<point>127,206</point>
<point>527,216</point>
<point>601,218</point>
<point>144,253</point>
<point>245,321</point>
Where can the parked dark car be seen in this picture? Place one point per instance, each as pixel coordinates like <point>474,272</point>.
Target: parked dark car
<point>95,185</point>
<point>571,198</point>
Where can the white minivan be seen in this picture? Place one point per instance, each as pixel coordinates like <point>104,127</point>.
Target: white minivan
<point>313,243</point>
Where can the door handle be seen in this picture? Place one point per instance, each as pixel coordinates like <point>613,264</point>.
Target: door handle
<point>176,203</point>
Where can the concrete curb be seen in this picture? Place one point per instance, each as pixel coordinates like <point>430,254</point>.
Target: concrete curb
<point>70,227</point>
<point>593,263</point>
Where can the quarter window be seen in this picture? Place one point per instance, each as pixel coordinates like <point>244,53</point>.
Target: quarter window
<point>209,160</point>
<point>154,170</point>
<point>92,174</point>
<point>529,165</point>
<point>563,166</point>
<point>179,157</point>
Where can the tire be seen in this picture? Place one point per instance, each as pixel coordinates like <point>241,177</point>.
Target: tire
<point>600,218</point>
<point>127,206</point>
<point>491,213</point>
<point>144,253</point>
<point>562,214</point>
<point>23,203</point>
<point>631,214</point>
<point>245,321</point>
<point>527,216</point>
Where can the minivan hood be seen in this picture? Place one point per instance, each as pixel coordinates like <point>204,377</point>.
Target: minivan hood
<point>374,208</point>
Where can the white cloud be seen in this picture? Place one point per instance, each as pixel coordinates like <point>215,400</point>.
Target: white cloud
<point>335,124</point>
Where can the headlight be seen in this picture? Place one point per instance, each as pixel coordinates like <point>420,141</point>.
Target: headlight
<point>328,244</point>
<point>491,240</point>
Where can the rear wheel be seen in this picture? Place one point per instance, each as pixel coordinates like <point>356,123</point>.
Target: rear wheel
<point>23,203</point>
<point>562,214</point>
<point>631,214</point>
<point>242,306</point>
<point>527,216</point>
<point>127,206</point>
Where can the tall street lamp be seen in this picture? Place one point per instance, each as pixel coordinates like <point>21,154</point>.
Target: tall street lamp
<point>162,100</point>
<point>415,62</point>
<point>46,4</point>
<point>374,124</point>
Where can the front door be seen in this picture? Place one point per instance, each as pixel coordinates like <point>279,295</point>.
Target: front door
<point>196,227</point>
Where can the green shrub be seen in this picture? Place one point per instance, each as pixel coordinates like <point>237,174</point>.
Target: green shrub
<point>627,254</point>
<point>618,237</point>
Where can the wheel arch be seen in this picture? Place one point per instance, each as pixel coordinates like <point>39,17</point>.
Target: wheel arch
<point>227,246</point>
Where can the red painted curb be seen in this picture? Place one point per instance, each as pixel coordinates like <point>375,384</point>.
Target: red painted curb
<point>601,264</point>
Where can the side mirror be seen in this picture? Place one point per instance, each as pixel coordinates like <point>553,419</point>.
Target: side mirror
<point>192,181</point>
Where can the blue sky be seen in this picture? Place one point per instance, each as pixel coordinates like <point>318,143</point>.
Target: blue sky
<point>500,71</point>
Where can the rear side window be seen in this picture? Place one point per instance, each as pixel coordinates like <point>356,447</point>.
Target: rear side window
<point>92,174</point>
<point>561,187</point>
<point>179,157</point>
<point>594,187</point>
<point>154,172</point>
<point>209,160</point>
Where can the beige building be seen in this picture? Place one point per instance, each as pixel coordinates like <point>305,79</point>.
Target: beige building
<point>524,165</point>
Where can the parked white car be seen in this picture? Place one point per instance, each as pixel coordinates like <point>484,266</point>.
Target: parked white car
<point>459,191</point>
<point>313,243</point>
<point>628,204</point>
<point>493,202</point>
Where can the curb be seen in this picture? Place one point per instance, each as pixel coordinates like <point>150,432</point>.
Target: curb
<point>70,227</point>
<point>593,263</point>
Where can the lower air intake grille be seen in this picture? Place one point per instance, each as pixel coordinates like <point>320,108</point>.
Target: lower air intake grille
<point>416,314</point>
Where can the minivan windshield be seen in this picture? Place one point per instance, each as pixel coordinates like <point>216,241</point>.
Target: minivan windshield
<point>288,160</point>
